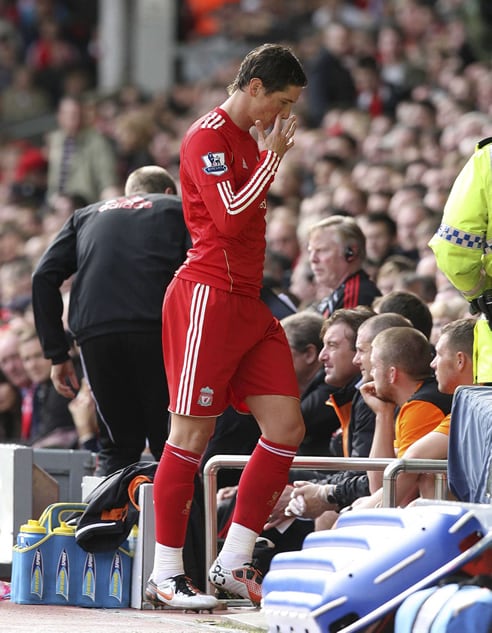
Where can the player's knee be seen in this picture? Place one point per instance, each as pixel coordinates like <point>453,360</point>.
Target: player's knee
<point>285,432</point>
<point>299,432</point>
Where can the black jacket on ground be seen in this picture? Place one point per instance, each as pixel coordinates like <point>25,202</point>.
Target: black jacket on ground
<point>112,508</point>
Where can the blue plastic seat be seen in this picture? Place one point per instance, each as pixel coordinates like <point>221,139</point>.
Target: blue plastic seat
<point>345,578</point>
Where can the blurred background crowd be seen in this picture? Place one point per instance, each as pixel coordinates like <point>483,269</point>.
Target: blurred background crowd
<point>399,93</point>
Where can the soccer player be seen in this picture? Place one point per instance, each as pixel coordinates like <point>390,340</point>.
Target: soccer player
<point>221,343</point>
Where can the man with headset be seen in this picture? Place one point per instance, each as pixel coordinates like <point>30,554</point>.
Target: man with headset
<point>336,248</point>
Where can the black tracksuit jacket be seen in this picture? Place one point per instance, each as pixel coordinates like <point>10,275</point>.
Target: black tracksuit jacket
<point>123,253</point>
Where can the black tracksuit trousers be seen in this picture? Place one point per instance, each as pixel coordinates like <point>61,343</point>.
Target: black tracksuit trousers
<point>125,371</point>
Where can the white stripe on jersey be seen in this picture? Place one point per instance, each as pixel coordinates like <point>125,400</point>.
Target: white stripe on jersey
<point>214,121</point>
<point>193,340</point>
<point>253,189</point>
<point>256,184</point>
<point>226,193</point>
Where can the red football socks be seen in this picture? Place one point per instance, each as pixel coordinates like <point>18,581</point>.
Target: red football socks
<point>262,482</point>
<point>173,494</point>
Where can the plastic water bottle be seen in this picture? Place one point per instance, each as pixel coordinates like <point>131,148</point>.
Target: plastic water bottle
<point>30,533</point>
<point>27,563</point>
<point>65,563</point>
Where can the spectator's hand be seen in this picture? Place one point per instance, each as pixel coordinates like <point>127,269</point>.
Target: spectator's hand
<point>308,500</point>
<point>280,139</point>
<point>379,406</point>
<point>226,493</point>
<point>278,513</point>
<point>65,379</point>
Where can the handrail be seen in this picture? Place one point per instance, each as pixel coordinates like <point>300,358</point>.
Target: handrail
<point>398,466</point>
<point>215,463</point>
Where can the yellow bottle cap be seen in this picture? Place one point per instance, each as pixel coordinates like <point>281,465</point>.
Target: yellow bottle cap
<point>64,529</point>
<point>33,525</point>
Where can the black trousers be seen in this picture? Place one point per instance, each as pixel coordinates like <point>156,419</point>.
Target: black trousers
<point>125,371</point>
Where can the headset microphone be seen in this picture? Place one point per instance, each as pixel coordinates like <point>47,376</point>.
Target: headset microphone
<point>349,253</point>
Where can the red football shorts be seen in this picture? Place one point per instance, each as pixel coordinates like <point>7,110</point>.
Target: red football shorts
<point>220,348</point>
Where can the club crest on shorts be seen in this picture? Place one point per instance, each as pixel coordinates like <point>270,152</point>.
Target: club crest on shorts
<point>206,397</point>
<point>214,163</point>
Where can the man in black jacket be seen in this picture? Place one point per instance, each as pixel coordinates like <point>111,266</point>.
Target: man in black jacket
<point>122,254</point>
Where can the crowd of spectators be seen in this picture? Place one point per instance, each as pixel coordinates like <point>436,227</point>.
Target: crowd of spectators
<point>399,93</point>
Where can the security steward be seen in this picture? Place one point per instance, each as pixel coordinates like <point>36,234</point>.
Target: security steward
<point>463,248</point>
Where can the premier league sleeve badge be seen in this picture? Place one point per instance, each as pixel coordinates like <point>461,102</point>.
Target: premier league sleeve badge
<point>214,163</point>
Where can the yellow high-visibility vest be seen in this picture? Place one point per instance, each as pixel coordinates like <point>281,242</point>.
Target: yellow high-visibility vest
<point>463,243</point>
<point>482,352</point>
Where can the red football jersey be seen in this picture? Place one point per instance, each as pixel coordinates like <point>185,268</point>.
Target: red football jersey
<point>224,181</point>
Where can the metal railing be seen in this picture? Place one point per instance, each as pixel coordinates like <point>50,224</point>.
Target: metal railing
<point>437,466</point>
